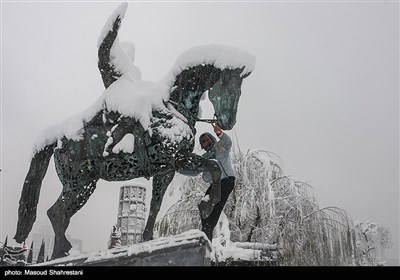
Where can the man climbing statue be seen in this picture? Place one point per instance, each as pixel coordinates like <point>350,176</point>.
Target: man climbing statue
<point>220,152</point>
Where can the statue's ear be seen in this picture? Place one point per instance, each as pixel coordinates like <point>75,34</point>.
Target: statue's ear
<point>244,76</point>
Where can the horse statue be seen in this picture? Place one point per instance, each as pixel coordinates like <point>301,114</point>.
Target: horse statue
<point>135,129</point>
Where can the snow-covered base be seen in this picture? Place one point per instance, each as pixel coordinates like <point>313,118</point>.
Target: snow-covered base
<point>236,252</point>
<point>226,251</point>
<point>190,248</point>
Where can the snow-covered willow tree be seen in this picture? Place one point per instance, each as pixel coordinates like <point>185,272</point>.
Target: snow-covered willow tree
<point>372,241</point>
<point>267,206</point>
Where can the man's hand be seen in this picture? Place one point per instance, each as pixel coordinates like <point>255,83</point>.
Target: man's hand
<point>216,127</point>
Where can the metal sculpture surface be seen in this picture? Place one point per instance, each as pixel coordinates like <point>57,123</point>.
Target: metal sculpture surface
<point>159,148</point>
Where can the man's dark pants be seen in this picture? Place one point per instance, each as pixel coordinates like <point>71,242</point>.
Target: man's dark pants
<point>208,224</point>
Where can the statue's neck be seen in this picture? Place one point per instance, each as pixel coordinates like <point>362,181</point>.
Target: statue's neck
<point>189,87</point>
<point>187,103</point>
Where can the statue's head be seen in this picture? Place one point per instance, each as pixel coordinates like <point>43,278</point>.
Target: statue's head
<point>225,94</point>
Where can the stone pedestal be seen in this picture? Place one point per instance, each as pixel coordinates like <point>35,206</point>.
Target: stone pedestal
<point>190,248</point>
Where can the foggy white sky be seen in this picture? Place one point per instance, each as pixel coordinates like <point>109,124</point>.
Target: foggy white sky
<point>324,95</point>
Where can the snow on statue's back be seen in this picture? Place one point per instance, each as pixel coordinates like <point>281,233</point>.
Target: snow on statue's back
<point>135,129</point>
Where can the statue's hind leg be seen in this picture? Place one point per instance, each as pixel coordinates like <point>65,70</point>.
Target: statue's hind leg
<point>67,204</point>
<point>160,185</point>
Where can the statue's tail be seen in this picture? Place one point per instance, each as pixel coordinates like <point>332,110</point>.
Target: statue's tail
<point>30,192</point>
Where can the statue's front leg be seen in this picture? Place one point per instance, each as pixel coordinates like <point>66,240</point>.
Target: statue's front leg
<point>208,202</point>
<point>195,163</point>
